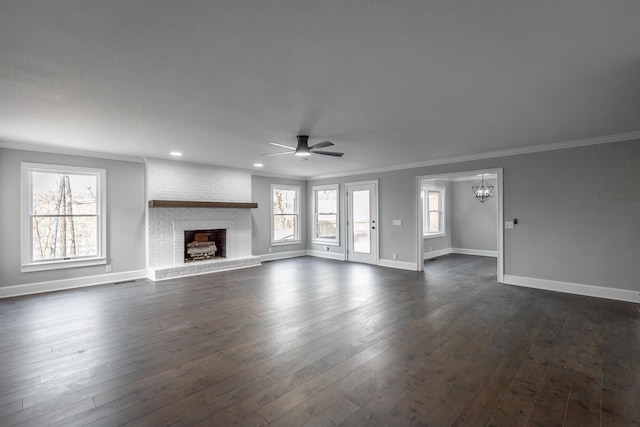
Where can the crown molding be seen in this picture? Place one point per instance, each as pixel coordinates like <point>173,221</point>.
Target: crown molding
<point>25,146</point>
<point>467,176</point>
<point>619,137</point>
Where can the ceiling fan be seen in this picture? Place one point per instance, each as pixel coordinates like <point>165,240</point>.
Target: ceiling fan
<point>303,149</point>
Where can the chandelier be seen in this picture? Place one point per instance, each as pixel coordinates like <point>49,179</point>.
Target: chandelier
<point>482,191</point>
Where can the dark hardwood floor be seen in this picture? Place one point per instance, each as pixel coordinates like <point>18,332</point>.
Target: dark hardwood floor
<point>309,341</point>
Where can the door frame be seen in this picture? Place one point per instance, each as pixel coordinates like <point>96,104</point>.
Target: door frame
<point>347,217</point>
<point>500,216</point>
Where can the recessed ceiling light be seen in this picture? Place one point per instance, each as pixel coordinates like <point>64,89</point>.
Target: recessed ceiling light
<point>258,165</point>
<point>176,153</point>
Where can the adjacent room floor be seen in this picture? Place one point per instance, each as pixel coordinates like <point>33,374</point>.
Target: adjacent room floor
<point>320,342</point>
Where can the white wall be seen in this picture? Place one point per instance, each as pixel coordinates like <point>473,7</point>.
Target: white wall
<point>174,180</point>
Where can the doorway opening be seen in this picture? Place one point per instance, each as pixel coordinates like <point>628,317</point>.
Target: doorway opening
<point>451,220</point>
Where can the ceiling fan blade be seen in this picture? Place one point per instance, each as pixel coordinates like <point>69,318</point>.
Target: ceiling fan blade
<point>329,153</point>
<point>283,146</point>
<point>322,144</point>
<point>278,154</point>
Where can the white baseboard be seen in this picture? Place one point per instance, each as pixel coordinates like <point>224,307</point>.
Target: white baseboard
<point>574,288</point>
<point>78,282</point>
<point>479,252</point>
<point>328,255</point>
<point>282,255</point>
<point>402,265</point>
<point>463,251</point>
<point>434,254</point>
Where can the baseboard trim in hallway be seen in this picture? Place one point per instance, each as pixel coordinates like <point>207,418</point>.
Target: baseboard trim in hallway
<point>574,288</point>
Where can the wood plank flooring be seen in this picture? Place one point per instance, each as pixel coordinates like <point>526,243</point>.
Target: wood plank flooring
<point>317,342</point>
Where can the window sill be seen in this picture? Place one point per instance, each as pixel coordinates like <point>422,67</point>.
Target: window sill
<point>434,235</point>
<point>57,265</point>
<point>286,242</point>
<point>325,242</point>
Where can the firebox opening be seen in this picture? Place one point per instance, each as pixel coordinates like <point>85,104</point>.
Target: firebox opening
<point>201,245</point>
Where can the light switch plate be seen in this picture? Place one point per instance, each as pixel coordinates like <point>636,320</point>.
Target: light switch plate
<point>397,222</point>
<point>508,224</point>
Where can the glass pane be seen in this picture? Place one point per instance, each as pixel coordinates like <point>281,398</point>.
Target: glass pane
<point>326,226</point>
<point>63,194</point>
<point>284,227</point>
<point>434,201</point>
<point>434,222</point>
<point>284,201</point>
<point>327,201</point>
<point>62,237</point>
<point>361,222</point>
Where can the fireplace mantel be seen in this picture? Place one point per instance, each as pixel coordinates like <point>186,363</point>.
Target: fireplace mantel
<point>192,204</point>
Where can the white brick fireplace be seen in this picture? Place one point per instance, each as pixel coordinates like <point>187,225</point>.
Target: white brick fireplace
<point>166,225</point>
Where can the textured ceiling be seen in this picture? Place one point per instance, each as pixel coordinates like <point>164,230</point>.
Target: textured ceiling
<point>389,82</point>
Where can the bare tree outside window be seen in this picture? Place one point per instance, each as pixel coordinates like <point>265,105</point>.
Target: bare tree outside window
<point>64,215</point>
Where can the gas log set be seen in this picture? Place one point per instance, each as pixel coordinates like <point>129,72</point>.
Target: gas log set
<point>200,245</point>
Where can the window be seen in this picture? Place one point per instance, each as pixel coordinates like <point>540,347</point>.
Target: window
<point>325,210</point>
<point>433,199</point>
<point>64,221</point>
<point>285,223</point>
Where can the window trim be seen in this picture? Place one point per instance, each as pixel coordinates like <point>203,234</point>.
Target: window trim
<point>27,262</point>
<point>297,238</point>
<point>320,240</point>
<point>425,219</point>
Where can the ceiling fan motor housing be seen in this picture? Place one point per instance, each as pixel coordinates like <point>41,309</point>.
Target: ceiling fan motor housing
<point>303,146</point>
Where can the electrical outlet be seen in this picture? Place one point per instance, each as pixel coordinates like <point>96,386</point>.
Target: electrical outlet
<point>395,255</point>
<point>109,268</point>
<point>430,248</point>
<point>270,250</point>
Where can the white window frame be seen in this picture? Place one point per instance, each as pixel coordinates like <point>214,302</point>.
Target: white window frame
<point>28,264</point>
<point>296,238</point>
<point>425,219</point>
<point>315,238</point>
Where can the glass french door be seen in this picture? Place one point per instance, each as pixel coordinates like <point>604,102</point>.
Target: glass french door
<point>362,222</point>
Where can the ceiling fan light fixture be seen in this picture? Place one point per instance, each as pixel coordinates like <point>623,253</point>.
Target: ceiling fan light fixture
<point>303,153</point>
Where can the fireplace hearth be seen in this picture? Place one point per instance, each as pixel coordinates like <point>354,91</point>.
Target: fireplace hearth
<point>202,245</point>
